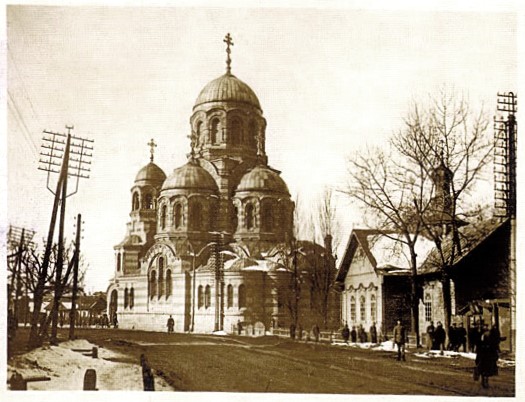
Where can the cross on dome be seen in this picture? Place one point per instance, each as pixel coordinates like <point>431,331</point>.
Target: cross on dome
<point>152,146</point>
<point>228,40</point>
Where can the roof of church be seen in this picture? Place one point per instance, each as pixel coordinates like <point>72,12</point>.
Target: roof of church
<point>227,88</point>
<point>150,174</point>
<point>190,176</point>
<point>262,178</point>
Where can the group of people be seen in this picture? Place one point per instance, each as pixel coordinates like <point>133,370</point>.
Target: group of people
<point>436,337</point>
<point>298,333</point>
<point>359,333</point>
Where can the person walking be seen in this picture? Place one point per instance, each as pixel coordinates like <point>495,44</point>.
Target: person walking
<point>487,354</point>
<point>461,335</point>
<point>239,327</point>
<point>346,333</point>
<point>353,334</point>
<point>171,324</point>
<point>452,337</point>
<point>373,333</point>
<point>439,338</point>
<point>430,336</point>
<point>399,338</point>
<point>316,332</point>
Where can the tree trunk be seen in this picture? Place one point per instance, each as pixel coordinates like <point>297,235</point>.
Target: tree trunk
<point>414,300</point>
<point>447,305</point>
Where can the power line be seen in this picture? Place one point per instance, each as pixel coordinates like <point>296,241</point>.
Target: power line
<point>20,120</point>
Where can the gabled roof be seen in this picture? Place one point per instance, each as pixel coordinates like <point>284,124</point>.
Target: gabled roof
<point>385,251</point>
<point>470,238</point>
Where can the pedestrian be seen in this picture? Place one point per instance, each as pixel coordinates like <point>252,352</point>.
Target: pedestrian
<point>452,338</point>
<point>439,338</point>
<point>239,327</point>
<point>171,324</point>
<point>115,321</point>
<point>353,334</point>
<point>292,331</point>
<point>345,333</point>
<point>399,338</point>
<point>461,337</point>
<point>430,335</point>
<point>373,333</point>
<point>316,332</point>
<point>300,332</point>
<point>473,338</point>
<point>487,354</point>
<point>361,334</point>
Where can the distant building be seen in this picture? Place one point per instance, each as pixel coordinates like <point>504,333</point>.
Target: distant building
<point>212,243</point>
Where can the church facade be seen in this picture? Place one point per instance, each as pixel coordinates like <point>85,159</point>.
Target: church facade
<point>212,243</point>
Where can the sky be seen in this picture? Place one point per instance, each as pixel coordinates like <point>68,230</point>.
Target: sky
<point>330,81</point>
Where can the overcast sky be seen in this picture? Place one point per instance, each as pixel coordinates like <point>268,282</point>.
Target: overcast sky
<point>329,82</point>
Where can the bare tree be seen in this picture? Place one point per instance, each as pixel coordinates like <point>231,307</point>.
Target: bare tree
<point>388,190</point>
<point>449,144</point>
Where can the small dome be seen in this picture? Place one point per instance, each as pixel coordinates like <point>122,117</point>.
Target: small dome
<point>150,174</point>
<point>190,176</point>
<point>262,178</point>
<point>227,88</point>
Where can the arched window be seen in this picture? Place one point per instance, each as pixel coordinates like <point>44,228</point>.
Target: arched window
<point>126,297</point>
<point>196,216</point>
<point>113,303</point>
<point>214,131</point>
<point>229,296</point>
<point>177,218</point>
<point>207,296</point>
<point>352,309</point>
<point>119,262</point>
<point>131,297</point>
<point>168,283</point>
<point>236,132</point>
<point>148,201</point>
<point>267,217</point>
<point>161,277</point>
<point>200,297</point>
<point>198,132</point>
<point>428,307</point>
<point>249,216</point>
<point>373,308</point>
<point>253,133</point>
<point>163,212</point>
<point>242,296</point>
<point>135,204</point>
<point>362,308</point>
<point>153,284</point>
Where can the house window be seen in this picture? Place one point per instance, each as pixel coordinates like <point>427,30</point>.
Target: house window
<point>126,297</point>
<point>373,311</point>
<point>352,309</point>
<point>196,216</point>
<point>249,217</point>
<point>428,307</point>
<point>242,296</point>
<point>148,201</point>
<point>362,308</point>
<point>236,131</point>
<point>168,283</point>
<point>229,296</point>
<point>207,297</point>
<point>119,262</point>
<point>153,284</point>
<point>268,218</point>
<point>200,297</point>
<point>178,216</point>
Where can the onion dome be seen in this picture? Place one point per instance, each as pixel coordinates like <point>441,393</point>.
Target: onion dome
<point>190,176</point>
<point>227,88</point>
<point>262,178</point>
<point>150,174</point>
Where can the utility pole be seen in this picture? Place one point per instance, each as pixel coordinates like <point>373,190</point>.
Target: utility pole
<point>58,147</point>
<point>505,138</point>
<point>72,314</point>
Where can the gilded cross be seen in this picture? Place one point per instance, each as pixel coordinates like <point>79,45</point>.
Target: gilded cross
<point>152,146</point>
<point>228,40</point>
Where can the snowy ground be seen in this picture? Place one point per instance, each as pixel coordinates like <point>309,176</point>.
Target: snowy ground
<point>432,354</point>
<point>66,368</point>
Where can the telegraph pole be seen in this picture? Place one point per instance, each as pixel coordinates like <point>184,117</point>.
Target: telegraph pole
<point>505,138</point>
<point>57,148</point>
<point>72,315</point>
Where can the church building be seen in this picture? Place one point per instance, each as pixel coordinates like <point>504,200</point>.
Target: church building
<point>212,243</point>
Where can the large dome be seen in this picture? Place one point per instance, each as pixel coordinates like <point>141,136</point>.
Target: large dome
<point>190,176</point>
<point>262,178</point>
<point>150,174</point>
<point>227,88</point>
